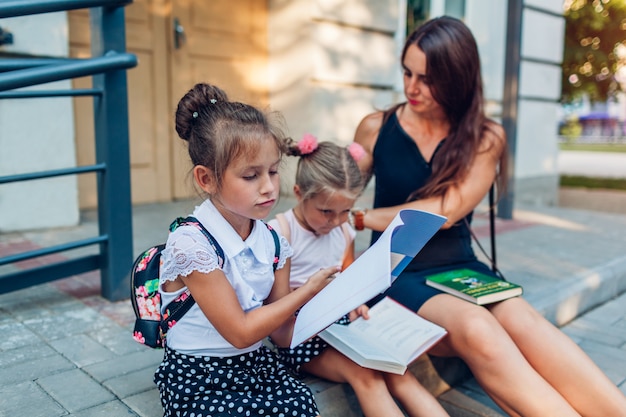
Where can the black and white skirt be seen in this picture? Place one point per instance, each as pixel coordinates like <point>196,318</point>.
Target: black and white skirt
<point>252,384</point>
<point>306,351</point>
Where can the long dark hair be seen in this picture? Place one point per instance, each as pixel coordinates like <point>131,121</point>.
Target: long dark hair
<point>453,67</point>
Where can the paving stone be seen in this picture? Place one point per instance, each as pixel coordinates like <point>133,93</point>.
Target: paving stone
<point>145,404</point>
<point>146,359</point>
<point>67,323</point>
<point>118,340</point>
<point>34,369</point>
<point>25,354</point>
<point>29,400</point>
<point>131,383</point>
<point>15,335</point>
<point>610,359</point>
<point>114,408</point>
<point>610,312</point>
<point>29,303</point>
<point>75,390</point>
<point>594,331</point>
<point>82,350</point>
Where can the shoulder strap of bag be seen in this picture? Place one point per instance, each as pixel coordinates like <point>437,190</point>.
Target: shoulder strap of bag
<point>492,234</point>
<point>276,245</point>
<point>181,305</point>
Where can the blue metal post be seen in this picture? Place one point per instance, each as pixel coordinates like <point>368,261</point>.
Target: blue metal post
<point>510,100</point>
<point>112,149</point>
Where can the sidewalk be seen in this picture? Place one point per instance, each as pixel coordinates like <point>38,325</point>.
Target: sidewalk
<point>68,351</point>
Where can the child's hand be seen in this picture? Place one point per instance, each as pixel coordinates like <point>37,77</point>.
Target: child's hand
<point>322,278</point>
<point>361,311</point>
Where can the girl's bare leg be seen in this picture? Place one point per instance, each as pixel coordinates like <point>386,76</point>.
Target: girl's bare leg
<point>560,361</point>
<point>368,384</point>
<point>416,400</point>
<point>498,365</point>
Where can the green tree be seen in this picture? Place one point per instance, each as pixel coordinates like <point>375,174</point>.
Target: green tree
<point>595,48</point>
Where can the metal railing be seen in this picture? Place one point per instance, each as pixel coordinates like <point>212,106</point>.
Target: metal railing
<point>107,67</point>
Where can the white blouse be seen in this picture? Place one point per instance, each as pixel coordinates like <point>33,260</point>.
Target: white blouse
<point>248,266</point>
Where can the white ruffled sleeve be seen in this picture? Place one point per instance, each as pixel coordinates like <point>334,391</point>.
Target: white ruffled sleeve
<point>286,251</point>
<point>187,250</point>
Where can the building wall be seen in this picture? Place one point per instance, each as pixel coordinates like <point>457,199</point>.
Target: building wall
<point>37,135</point>
<point>536,169</point>
<point>331,63</point>
<point>543,29</point>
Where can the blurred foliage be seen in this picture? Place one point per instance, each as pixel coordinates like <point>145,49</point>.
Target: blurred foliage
<point>594,147</point>
<point>571,129</point>
<point>587,182</point>
<point>417,12</point>
<point>595,49</point>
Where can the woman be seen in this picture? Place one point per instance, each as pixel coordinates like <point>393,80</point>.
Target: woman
<point>438,152</point>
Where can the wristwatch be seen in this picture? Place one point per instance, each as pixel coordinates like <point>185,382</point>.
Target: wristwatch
<point>357,217</point>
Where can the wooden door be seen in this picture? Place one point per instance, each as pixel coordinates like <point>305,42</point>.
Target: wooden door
<point>225,43</point>
<point>147,103</point>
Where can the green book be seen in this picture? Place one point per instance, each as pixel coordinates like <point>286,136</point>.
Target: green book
<point>473,286</point>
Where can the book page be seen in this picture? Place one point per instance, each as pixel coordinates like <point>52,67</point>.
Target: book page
<point>357,342</point>
<point>370,274</point>
<point>398,329</point>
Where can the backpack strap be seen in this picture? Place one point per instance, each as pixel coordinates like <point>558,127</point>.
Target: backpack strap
<point>276,246</point>
<point>175,310</point>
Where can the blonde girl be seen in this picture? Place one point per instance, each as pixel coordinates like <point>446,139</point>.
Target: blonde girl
<point>328,182</point>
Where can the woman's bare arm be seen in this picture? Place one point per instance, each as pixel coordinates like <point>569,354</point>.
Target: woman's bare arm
<point>460,199</point>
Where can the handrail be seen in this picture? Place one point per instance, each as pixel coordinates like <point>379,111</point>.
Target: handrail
<point>51,173</point>
<point>51,250</point>
<point>27,7</point>
<point>75,92</point>
<point>107,67</point>
<point>48,73</point>
<point>22,63</point>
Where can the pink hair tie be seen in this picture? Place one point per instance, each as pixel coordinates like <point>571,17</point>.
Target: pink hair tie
<point>307,144</point>
<point>356,151</point>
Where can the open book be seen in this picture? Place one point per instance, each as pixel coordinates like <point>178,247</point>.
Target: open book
<point>389,340</point>
<point>370,274</point>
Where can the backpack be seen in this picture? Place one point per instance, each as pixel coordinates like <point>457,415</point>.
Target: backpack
<point>150,325</point>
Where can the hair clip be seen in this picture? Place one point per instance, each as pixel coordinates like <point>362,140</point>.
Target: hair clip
<point>307,144</point>
<point>356,151</point>
<point>194,115</point>
<point>213,101</point>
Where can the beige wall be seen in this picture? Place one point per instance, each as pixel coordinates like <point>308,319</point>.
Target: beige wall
<point>331,63</point>
<point>37,135</point>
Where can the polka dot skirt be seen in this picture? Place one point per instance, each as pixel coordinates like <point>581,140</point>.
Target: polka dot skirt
<point>252,384</point>
<point>305,351</point>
